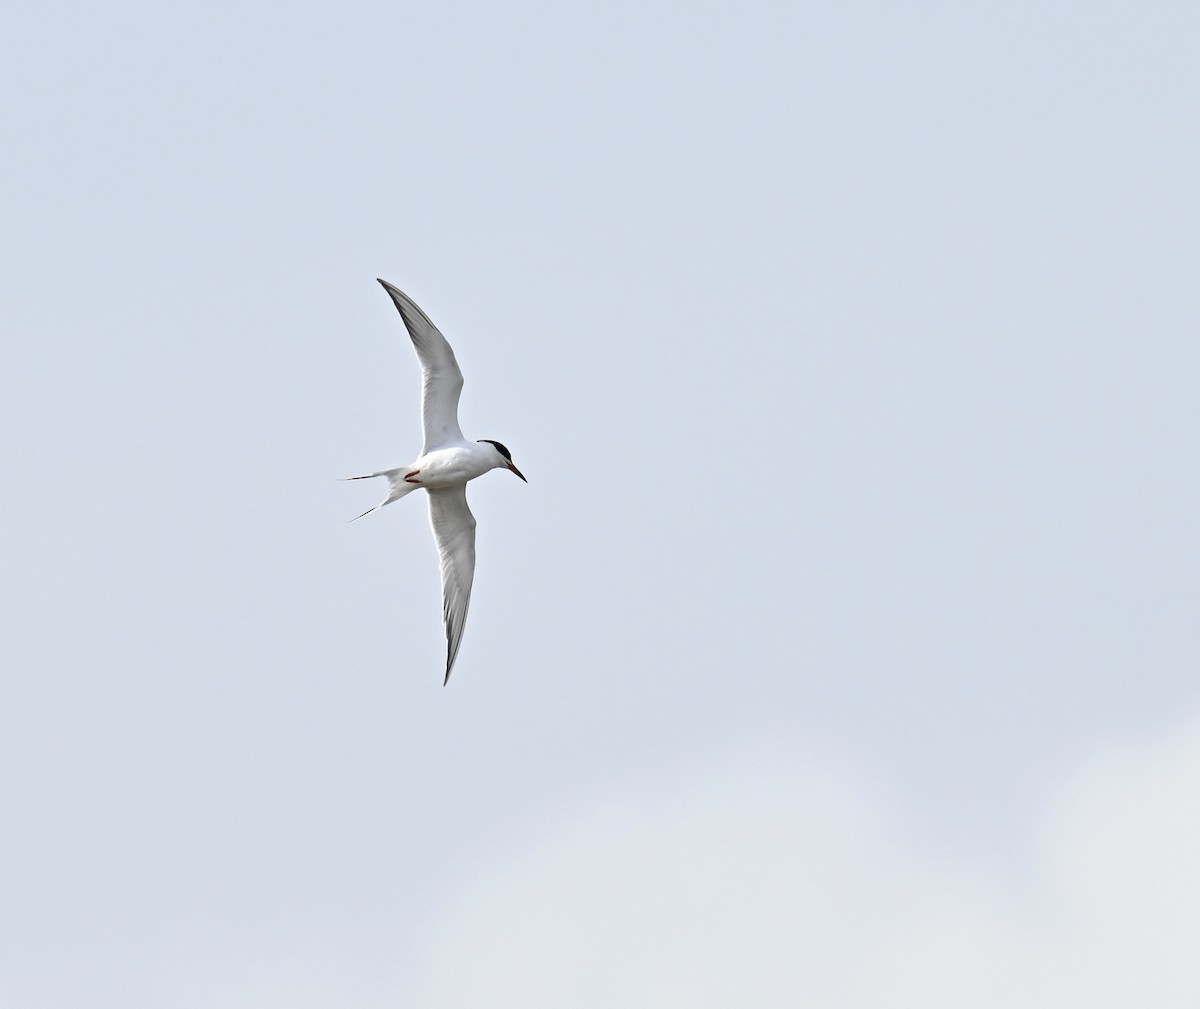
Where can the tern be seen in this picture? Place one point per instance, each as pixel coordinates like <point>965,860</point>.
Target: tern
<point>446,463</point>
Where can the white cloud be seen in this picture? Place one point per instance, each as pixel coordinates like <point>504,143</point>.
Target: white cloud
<point>771,889</point>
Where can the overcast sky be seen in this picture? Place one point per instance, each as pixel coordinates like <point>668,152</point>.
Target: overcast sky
<point>842,649</point>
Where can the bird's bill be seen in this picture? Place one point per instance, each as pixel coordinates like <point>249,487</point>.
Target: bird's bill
<point>517,471</point>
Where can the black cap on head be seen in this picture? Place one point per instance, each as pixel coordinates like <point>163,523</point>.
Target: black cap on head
<point>499,448</point>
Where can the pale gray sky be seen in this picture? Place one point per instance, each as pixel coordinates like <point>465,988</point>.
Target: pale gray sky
<point>843,647</point>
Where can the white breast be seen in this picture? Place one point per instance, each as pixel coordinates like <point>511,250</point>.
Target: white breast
<point>449,467</point>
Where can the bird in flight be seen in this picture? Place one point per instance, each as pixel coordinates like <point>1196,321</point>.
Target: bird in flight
<point>446,463</point>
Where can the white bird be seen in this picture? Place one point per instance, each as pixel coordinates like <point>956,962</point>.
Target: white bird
<point>446,463</point>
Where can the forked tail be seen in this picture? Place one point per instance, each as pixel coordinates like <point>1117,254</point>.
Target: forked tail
<point>397,487</point>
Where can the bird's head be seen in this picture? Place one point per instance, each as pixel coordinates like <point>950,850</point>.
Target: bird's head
<point>504,460</point>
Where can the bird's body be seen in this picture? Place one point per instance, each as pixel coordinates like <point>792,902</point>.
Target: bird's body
<point>456,464</point>
<point>446,464</point>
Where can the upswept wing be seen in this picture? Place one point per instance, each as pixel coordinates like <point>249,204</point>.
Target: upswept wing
<point>441,381</point>
<point>454,529</point>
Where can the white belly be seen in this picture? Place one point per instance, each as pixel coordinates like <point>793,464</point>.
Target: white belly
<point>451,467</point>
